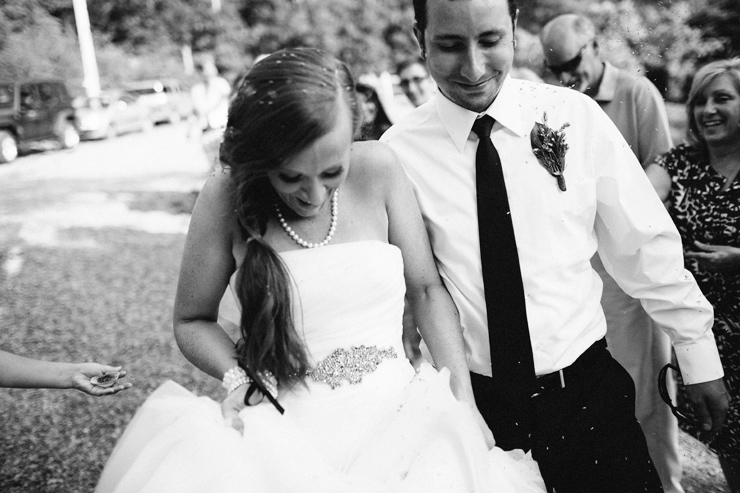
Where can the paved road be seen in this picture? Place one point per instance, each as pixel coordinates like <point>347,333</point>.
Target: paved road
<point>98,185</point>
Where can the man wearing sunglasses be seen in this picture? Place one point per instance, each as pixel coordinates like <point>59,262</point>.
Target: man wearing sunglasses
<point>636,107</point>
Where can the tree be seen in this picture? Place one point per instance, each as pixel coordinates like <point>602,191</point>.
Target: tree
<point>662,40</point>
<point>665,39</point>
<point>35,44</point>
<point>353,31</point>
<point>718,21</point>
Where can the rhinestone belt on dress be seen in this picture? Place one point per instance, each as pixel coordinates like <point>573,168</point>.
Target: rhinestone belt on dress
<point>350,365</point>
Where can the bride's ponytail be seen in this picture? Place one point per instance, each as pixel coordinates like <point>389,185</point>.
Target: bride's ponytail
<point>270,339</point>
<point>270,342</point>
<point>285,103</point>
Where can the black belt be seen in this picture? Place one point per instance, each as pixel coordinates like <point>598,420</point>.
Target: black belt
<point>559,379</point>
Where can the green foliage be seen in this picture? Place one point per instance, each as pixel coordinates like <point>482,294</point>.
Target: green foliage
<point>35,45</point>
<point>718,20</point>
<point>363,34</point>
<point>116,65</point>
<point>134,39</point>
<point>142,24</point>
<point>665,39</point>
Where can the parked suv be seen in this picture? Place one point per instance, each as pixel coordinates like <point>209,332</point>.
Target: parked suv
<point>32,111</point>
<point>166,101</point>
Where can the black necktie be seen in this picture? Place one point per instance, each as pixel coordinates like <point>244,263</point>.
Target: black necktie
<point>511,349</point>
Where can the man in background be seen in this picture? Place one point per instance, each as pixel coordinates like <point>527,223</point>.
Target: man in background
<point>636,107</point>
<point>210,97</point>
<point>416,83</point>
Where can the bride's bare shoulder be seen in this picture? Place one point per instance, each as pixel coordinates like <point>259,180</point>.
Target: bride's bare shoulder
<point>215,199</point>
<point>374,163</point>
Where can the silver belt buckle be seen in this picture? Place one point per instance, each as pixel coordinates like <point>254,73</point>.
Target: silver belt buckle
<point>561,374</point>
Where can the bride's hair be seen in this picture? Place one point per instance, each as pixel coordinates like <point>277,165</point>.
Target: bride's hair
<point>284,104</point>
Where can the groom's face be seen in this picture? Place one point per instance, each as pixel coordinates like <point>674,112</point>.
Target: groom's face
<point>469,49</point>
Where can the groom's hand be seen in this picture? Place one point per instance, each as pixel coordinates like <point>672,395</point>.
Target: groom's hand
<point>231,405</point>
<point>710,401</point>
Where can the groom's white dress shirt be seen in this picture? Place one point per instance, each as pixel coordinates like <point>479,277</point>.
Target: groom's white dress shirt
<point>609,205</point>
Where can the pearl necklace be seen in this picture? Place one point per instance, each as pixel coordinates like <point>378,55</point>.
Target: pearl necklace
<point>332,226</point>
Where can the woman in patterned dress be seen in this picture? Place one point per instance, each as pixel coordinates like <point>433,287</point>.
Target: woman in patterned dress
<point>699,182</point>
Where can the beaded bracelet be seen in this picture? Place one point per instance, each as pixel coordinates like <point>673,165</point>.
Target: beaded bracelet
<point>235,378</point>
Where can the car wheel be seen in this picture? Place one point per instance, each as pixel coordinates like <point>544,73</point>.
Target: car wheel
<point>8,147</point>
<point>69,137</point>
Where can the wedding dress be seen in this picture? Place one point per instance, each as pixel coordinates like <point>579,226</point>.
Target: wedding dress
<point>394,430</point>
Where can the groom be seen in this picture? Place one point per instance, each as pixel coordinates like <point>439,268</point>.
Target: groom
<point>513,235</point>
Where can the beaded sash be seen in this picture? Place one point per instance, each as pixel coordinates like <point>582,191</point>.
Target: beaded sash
<point>350,365</point>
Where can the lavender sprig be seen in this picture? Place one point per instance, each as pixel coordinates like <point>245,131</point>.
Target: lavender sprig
<point>549,146</point>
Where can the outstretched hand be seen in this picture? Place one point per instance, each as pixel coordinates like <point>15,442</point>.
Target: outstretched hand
<point>83,373</point>
<point>710,401</point>
<point>721,258</point>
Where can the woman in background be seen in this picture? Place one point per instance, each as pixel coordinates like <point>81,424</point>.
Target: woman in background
<point>375,120</point>
<point>700,184</point>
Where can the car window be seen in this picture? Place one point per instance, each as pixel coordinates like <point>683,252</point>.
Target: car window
<point>6,95</point>
<point>29,97</point>
<point>142,92</point>
<point>48,94</point>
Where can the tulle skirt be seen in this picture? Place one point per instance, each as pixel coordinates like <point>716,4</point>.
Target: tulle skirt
<point>396,431</point>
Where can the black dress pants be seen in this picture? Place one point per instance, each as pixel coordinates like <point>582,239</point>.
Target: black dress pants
<point>586,438</point>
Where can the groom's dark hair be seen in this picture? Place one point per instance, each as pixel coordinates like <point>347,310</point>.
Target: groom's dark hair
<point>420,12</point>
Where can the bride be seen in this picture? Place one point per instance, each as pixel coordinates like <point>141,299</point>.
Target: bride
<point>320,239</point>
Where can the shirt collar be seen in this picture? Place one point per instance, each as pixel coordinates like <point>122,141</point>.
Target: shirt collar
<point>508,109</point>
<point>608,86</point>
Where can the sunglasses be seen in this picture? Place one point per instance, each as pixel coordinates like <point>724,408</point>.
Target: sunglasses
<point>413,80</point>
<point>570,65</point>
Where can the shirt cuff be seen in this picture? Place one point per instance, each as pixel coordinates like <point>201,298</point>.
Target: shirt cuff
<point>699,362</point>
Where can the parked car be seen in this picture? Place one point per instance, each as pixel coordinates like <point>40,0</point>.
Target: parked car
<point>110,114</point>
<point>166,101</point>
<point>34,111</point>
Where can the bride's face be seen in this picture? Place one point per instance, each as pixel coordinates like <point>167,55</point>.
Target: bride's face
<point>305,183</point>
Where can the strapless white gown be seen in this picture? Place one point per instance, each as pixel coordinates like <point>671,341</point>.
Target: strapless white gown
<point>396,430</point>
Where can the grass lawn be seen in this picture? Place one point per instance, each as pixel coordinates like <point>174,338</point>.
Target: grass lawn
<point>111,304</point>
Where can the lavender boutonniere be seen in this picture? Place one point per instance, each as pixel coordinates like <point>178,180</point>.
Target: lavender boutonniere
<point>549,146</point>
